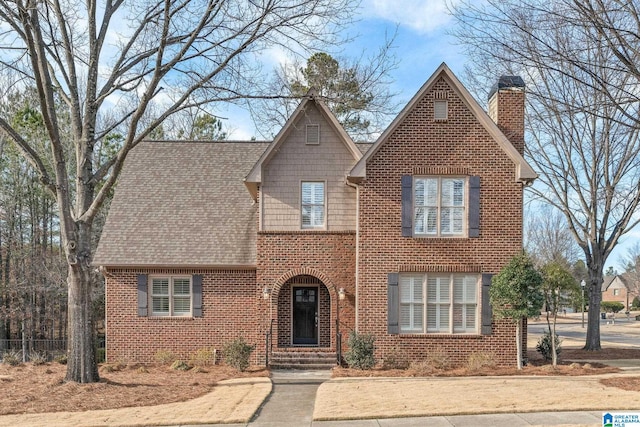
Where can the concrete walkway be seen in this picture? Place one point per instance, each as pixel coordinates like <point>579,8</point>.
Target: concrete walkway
<point>291,400</point>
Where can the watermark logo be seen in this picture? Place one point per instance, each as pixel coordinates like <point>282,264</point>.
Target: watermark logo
<point>621,419</point>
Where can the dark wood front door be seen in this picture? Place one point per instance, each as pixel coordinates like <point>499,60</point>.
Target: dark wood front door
<point>305,315</point>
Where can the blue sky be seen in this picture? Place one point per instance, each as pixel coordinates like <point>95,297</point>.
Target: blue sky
<point>421,45</point>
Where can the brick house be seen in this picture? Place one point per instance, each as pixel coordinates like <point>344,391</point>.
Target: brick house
<point>308,237</point>
<point>620,288</point>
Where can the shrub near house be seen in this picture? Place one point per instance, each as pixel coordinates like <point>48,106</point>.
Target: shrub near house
<point>311,236</point>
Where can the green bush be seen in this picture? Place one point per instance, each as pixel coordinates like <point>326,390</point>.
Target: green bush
<point>636,303</point>
<point>61,358</point>
<point>237,353</point>
<point>611,306</point>
<point>360,354</point>
<point>544,346</point>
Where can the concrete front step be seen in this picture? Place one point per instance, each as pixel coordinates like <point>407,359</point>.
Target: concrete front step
<point>302,360</point>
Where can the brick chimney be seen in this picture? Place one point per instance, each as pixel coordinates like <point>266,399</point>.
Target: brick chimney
<point>506,108</point>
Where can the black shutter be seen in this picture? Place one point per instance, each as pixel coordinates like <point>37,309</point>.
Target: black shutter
<point>487,313</point>
<point>393,303</point>
<point>474,206</point>
<point>407,206</point>
<point>143,301</point>
<point>196,283</point>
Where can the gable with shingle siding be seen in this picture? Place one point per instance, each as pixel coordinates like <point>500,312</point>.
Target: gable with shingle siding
<point>183,204</point>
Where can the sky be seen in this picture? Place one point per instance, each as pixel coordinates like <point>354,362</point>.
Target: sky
<point>422,43</point>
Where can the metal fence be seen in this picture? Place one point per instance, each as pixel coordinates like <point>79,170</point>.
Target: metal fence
<point>49,348</point>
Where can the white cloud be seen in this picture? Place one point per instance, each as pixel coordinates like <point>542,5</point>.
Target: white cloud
<point>421,16</point>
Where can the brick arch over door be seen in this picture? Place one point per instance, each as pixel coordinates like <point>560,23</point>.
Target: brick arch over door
<point>327,305</point>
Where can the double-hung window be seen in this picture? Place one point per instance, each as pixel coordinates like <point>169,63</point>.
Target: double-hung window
<point>439,206</point>
<point>171,296</point>
<point>438,303</point>
<point>312,206</point>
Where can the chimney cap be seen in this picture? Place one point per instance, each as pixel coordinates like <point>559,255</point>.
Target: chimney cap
<point>507,82</point>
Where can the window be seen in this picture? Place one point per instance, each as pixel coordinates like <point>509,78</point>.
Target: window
<point>440,110</point>
<point>438,303</point>
<point>170,296</point>
<point>313,135</point>
<point>616,292</point>
<point>312,205</point>
<point>439,206</point>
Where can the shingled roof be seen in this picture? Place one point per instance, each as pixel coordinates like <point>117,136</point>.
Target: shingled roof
<point>183,204</point>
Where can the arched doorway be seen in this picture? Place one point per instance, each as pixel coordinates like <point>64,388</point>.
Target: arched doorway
<point>304,313</point>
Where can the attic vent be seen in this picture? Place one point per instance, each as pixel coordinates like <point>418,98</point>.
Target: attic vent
<point>313,134</point>
<point>440,94</point>
<point>440,110</point>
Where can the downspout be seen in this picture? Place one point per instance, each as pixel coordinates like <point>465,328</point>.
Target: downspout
<point>357,187</point>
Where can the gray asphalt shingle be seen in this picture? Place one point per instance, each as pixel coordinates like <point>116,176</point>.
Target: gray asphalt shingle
<point>183,204</point>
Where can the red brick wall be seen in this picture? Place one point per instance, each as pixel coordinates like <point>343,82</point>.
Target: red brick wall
<point>510,119</point>
<point>229,301</point>
<point>421,146</point>
<point>327,256</point>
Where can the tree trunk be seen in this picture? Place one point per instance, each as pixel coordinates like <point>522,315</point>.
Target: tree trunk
<point>554,351</point>
<point>81,359</point>
<point>595,298</point>
<point>519,343</point>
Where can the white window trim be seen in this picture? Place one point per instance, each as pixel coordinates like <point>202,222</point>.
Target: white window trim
<point>323,226</point>
<point>424,330</point>
<point>465,215</point>
<point>171,296</point>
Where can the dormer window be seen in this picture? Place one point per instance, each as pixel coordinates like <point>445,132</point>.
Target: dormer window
<point>313,134</point>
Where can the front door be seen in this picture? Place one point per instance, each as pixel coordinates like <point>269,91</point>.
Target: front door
<point>305,315</point>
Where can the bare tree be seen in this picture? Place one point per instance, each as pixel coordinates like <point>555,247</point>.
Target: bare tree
<point>547,237</point>
<point>126,67</point>
<point>582,114</point>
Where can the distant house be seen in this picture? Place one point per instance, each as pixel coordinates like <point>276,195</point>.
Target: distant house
<point>311,236</point>
<point>620,288</point>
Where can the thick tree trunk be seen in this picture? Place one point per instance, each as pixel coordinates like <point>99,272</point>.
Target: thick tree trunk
<point>595,298</point>
<point>81,359</point>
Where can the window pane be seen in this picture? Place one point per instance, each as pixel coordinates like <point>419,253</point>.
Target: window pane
<point>432,221</point>
<point>181,287</point>
<point>457,220</point>
<point>411,288</point>
<point>438,289</point>
<point>181,305</point>
<point>431,192</point>
<point>419,221</point>
<point>437,318</point>
<point>160,305</point>
<point>445,221</point>
<point>452,192</point>
<point>317,215</point>
<point>419,192</point>
<point>160,286</point>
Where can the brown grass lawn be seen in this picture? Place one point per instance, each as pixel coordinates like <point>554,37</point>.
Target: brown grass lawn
<point>35,389</point>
